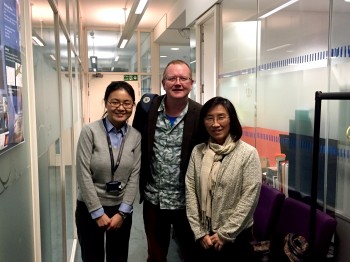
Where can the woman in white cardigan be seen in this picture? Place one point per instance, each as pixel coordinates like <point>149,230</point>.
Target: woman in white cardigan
<point>222,186</point>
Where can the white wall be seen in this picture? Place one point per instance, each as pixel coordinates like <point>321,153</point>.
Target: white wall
<point>97,88</point>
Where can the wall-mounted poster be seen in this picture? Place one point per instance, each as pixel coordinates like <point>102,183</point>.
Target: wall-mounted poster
<point>11,114</point>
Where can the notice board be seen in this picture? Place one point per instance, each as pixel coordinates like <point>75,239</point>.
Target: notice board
<point>11,86</point>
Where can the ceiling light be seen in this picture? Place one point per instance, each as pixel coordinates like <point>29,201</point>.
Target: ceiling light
<point>141,6</point>
<point>278,8</point>
<point>174,48</point>
<point>53,57</point>
<point>131,24</point>
<point>37,40</point>
<point>124,42</point>
<point>163,56</point>
<point>116,58</point>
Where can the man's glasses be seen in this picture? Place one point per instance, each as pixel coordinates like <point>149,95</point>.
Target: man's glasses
<point>173,79</point>
<point>126,104</point>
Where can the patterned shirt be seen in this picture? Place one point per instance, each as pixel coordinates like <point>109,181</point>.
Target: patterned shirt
<point>166,188</point>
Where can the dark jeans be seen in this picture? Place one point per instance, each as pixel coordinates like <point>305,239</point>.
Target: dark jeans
<point>241,250</point>
<point>158,224</point>
<point>91,237</point>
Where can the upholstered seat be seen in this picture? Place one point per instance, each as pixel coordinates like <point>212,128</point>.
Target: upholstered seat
<point>265,219</point>
<point>295,218</point>
<point>267,212</point>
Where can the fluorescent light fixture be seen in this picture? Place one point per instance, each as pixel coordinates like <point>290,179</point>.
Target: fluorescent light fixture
<point>131,23</point>
<point>174,48</point>
<point>194,61</point>
<point>124,42</point>
<point>37,40</point>
<point>116,58</point>
<point>53,57</point>
<point>141,6</point>
<point>347,1</point>
<point>163,56</point>
<point>278,8</point>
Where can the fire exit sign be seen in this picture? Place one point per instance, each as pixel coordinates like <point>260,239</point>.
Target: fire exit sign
<point>130,77</point>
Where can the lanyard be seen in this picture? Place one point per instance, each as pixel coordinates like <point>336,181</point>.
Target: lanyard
<point>113,167</point>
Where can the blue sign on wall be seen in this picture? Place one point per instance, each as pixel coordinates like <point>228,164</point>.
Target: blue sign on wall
<point>11,114</point>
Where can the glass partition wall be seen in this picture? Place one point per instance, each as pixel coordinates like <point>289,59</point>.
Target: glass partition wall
<point>58,110</point>
<point>337,123</point>
<point>17,176</point>
<point>133,62</point>
<point>48,130</point>
<point>272,63</point>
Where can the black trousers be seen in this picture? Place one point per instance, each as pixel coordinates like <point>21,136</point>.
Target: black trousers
<point>158,223</point>
<point>92,238</point>
<point>241,250</point>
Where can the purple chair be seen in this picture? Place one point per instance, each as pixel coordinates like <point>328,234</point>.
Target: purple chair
<point>267,212</point>
<point>295,218</point>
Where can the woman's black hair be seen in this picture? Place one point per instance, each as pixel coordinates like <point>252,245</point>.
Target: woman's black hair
<point>235,125</point>
<point>118,85</point>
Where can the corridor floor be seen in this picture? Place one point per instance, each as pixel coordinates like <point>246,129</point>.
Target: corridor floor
<point>138,242</point>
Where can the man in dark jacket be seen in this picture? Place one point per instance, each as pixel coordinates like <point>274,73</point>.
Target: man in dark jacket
<point>169,132</point>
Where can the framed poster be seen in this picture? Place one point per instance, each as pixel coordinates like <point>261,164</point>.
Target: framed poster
<point>11,110</point>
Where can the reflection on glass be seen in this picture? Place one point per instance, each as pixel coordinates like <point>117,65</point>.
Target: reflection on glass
<point>48,132</point>
<point>283,55</point>
<point>66,137</point>
<point>54,148</point>
<point>103,45</point>
<point>193,62</point>
<point>74,25</point>
<point>62,9</point>
<point>339,82</point>
<point>146,85</point>
<point>145,52</point>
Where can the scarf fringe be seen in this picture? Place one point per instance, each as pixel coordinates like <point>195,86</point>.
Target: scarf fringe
<point>206,222</point>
